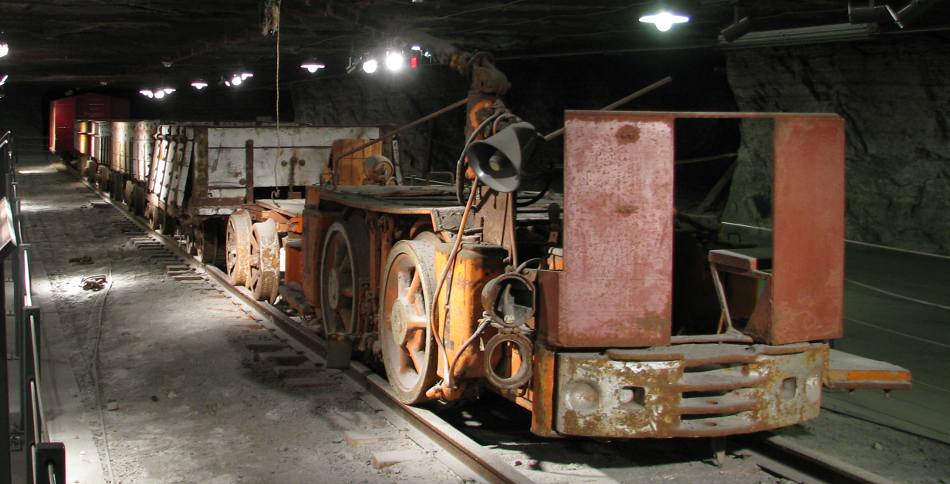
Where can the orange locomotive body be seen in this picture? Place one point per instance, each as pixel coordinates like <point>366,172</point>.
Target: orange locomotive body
<point>565,306</point>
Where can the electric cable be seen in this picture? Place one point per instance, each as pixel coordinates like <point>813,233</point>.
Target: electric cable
<point>450,266</point>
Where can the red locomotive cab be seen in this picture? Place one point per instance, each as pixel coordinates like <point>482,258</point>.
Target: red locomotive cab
<point>606,361</point>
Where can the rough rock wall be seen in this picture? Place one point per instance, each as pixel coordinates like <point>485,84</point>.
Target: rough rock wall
<point>390,101</point>
<point>22,112</point>
<point>895,98</point>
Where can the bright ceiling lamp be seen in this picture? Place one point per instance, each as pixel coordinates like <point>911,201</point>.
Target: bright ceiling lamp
<point>159,94</point>
<point>395,61</point>
<point>370,65</point>
<point>236,80</point>
<point>312,66</point>
<point>663,20</point>
<point>147,93</point>
<point>199,84</point>
<point>4,45</point>
<point>3,80</point>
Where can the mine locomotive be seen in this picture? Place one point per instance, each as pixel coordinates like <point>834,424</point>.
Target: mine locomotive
<point>563,304</point>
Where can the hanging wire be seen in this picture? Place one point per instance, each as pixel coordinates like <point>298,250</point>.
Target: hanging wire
<point>273,193</point>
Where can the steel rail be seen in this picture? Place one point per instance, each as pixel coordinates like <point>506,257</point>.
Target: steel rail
<point>480,460</point>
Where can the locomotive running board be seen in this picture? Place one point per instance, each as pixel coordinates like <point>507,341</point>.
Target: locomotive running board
<point>852,372</point>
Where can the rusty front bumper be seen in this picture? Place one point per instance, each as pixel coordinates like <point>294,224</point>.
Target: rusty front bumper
<point>689,390</point>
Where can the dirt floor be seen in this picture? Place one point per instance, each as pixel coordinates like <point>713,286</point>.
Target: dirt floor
<point>181,398</point>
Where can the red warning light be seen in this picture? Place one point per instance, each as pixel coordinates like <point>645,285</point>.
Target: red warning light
<point>414,62</point>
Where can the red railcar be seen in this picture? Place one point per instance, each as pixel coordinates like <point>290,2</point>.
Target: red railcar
<point>64,113</point>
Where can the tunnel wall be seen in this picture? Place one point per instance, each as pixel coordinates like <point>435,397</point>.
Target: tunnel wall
<point>21,112</point>
<point>894,96</point>
<point>541,90</point>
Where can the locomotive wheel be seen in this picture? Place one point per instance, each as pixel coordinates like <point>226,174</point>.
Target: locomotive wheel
<point>409,351</point>
<point>238,245</point>
<point>264,278</point>
<point>343,265</point>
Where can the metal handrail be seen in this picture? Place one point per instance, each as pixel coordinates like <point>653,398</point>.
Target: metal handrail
<point>45,461</point>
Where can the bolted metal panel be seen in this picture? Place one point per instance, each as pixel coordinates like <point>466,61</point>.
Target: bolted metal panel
<point>616,289</point>
<point>809,229</point>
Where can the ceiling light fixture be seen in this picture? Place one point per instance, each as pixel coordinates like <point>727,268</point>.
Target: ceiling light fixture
<point>871,14</point>
<point>3,80</point>
<point>370,65</point>
<point>4,45</point>
<point>663,20</point>
<point>159,94</point>
<point>312,66</point>
<point>147,93</point>
<point>236,80</point>
<point>818,34</point>
<point>199,84</point>
<point>914,10</point>
<point>395,61</point>
<point>245,75</point>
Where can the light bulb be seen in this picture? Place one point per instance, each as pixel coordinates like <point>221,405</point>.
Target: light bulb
<point>395,61</point>
<point>663,20</point>
<point>147,93</point>
<point>159,94</point>
<point>168,90</point>
<point>4,49</point>
<point>245,75</point>
<point>3,80</point>
<point>236,80</point>
<point>370,66</point>
<point>312,67</point>
<point>199,85</point>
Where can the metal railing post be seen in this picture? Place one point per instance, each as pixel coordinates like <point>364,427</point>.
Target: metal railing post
<point>5,470</point>
<point>29,399</point>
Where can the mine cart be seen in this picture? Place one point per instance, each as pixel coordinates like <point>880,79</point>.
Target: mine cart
<point>129,159</point>
<point>65,112</point>
<point>565,305</point>
<point>202,172</point>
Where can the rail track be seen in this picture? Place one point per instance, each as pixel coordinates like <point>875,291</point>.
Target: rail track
<point>294,347</point>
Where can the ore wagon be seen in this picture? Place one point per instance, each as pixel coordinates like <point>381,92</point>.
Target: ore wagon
<point>202,172</point>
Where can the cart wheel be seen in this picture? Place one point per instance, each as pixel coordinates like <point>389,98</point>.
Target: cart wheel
<point>344,264</point>
<point>264,278</point>
<point>206,243</point>
<point>409,351</point>
<point>238,245</point>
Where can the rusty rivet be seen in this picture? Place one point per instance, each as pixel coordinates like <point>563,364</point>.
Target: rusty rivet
<point>628,133</point>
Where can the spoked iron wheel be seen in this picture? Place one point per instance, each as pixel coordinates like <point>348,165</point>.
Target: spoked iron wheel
<point>409,351</point>
<point>264,277</point>
<point>343,265</point>
<point>238,245</point>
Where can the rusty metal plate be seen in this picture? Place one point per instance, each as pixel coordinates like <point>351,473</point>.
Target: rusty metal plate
<point>808,237</point>
<point>616,290</point>
<point>674,392</point>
